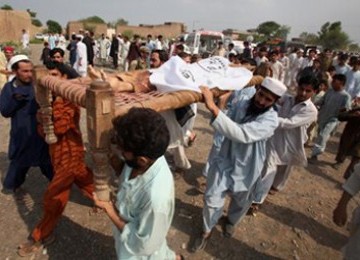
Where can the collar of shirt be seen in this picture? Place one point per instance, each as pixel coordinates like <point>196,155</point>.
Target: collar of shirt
<point>149,175</point>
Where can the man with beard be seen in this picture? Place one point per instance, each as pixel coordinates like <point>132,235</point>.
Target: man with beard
<point>26,148</point>
<point>285,148</point>
<point>236,168</point>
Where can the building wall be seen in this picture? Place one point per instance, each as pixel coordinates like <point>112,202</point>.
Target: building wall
<point>11,24</point>
<point>167,30</point>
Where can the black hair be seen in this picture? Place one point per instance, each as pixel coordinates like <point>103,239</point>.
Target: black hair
<point>63,69</point>
<point>231,55</point>
<point>324,82</point>
<point>309,80</point>
<point>183,54</point>
<point>340,77</point>
<point>180,47</point>
<point>15,66</point>
<point>143,132</point>
<point>331,68</point>
<point>57,50</point>
<point>263,48</point>
<point>274,52</point>
<point>250,61</point>
<point>163,56</point>
<point>343,57</point>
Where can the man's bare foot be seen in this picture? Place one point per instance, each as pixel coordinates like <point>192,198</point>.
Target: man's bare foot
<point>180,257</point>
<point>273,191</point>
<point>29,248</point>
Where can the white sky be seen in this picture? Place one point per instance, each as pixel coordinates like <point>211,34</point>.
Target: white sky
<point>300,15</point>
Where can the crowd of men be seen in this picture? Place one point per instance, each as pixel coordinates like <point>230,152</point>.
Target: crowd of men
<point>260,135</point>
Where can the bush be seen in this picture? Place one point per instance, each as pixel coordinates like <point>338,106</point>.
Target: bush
<point>36,41</point>
<point>36,22</point>
<point>93,19</point>
<point>6,7</point>
<point>128,33</point>
<point>53,26</point>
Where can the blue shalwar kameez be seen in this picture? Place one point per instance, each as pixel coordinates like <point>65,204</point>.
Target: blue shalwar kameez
<point>236,168</point>
<point>26,148</point>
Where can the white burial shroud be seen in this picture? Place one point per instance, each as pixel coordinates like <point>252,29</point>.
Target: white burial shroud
<point>176,74</point>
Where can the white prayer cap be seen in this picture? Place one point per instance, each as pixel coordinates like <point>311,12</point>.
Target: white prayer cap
<point>80,36</point>
<point>300,50</point>
<point>15,59</point>
<point>144,49</point>
<point>275,86</point>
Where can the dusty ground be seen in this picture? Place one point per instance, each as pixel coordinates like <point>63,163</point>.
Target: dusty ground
<point>294,224</point>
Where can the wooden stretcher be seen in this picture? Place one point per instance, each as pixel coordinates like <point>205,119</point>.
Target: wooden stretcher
<point>102,104</point>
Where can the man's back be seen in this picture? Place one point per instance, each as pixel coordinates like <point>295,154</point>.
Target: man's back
<point>332,102</point>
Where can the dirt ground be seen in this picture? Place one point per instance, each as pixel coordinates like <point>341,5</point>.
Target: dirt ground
<point>293,224</point>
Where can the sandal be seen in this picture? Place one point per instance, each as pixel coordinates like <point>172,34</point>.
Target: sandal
<point>200,243</point>
<point>253,210</point>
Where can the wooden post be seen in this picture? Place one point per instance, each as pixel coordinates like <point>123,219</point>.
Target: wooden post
<point>100,112</point>
<point>44,98</point>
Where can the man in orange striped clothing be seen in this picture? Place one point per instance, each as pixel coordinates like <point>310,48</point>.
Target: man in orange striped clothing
<point>67,157</point>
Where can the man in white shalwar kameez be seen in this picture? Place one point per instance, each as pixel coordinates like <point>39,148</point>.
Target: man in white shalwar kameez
<point>286,147</point>
<point>236,168</point>
<point>81,62</point>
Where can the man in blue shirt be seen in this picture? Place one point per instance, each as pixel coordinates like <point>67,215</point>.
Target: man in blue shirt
<point>26,148</point>
<point>145,202</point>
<point>236,168</point>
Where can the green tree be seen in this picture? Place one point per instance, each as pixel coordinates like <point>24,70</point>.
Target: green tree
<point>354,47</point>
<point>89,27</point>
<point>93,19</point>
<point>6,7</point>
<point>53,27</point>
<point>272,29</point>
<point>309,38</point>
<point>36,22</point>
<point>119,21</point>
<point>283,32</point>
<point>333,37</point>
<point>32,14</point>
<point>128,33</point>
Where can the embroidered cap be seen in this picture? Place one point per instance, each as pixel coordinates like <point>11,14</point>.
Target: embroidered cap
<point>16,59</point>
<point>274,85</point>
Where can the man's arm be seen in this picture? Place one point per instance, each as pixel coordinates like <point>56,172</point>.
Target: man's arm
<point>11,101</point>
<point>111,211</point>
<point>303,117</point>
<point>244,133</point>
<point>351,188</point>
